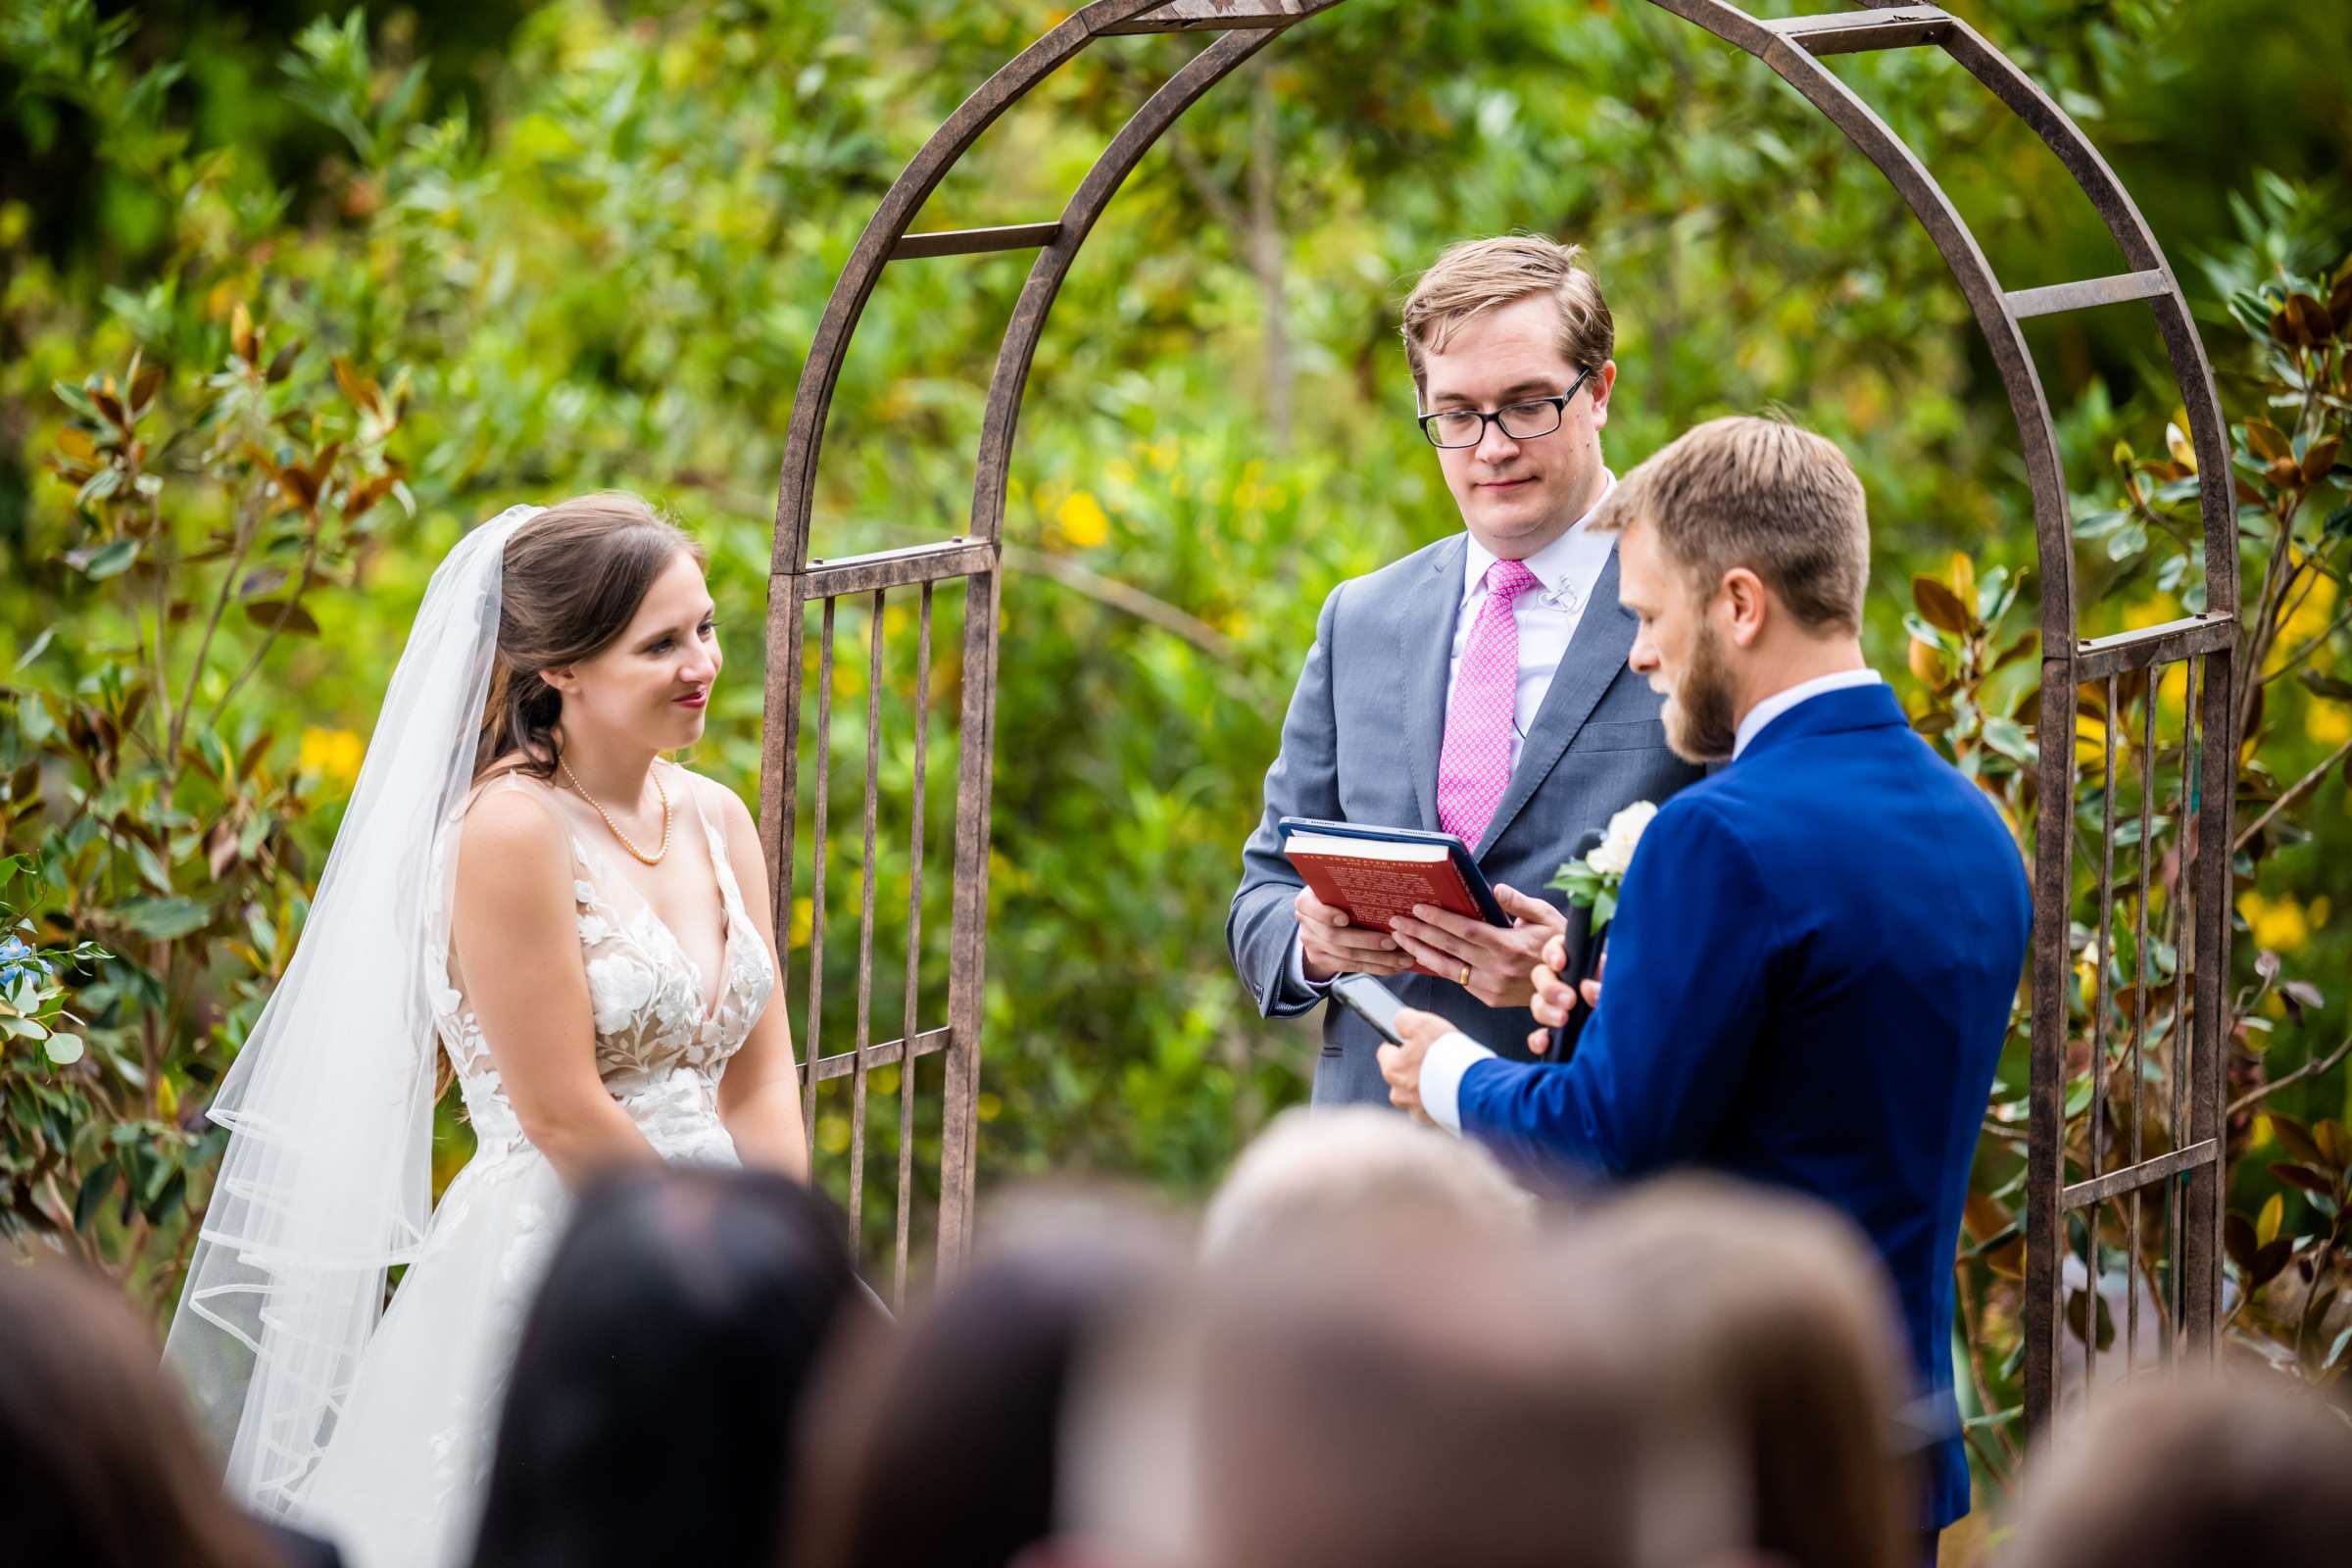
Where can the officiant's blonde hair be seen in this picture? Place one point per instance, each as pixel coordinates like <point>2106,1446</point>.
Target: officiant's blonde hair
<point>1478,275</point>
<point>1763,494</point>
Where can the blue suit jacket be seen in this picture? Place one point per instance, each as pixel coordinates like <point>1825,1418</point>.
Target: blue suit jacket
<point>1809,980</point>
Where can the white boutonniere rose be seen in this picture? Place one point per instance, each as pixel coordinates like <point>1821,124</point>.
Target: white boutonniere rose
<point>1593,882</point>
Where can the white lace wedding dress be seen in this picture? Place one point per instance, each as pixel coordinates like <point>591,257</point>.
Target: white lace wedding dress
<point>401,1481</point>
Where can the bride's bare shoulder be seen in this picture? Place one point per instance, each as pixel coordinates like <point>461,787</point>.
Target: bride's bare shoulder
<point>722,797</point>
<point>512,827</point>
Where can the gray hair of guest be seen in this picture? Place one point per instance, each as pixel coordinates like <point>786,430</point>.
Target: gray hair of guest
<point>1312,1170</point>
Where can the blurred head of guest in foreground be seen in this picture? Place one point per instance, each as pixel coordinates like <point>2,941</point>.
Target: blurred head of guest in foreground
<point>1313,1170</point>
<point>938,1443</point>
<point>99,1462</point>
<point>2189,1471</point>
<point>1391,1396</point>
<point>660,1373</point>
<point>1776,1307</point>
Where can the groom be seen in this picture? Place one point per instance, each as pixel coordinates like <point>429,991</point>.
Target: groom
<point>1477,686</point>
<point>1816,949</point>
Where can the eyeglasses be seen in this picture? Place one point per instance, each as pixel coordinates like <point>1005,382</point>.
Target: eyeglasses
<point>1521,422</point>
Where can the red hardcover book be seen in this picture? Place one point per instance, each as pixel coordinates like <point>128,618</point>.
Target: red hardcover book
<point>1377,879</point>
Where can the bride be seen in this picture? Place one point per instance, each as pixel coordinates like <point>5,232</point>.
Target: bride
<point>584,929</point>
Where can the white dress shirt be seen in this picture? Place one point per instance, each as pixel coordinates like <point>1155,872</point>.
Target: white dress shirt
<point>1456,1054</point>
<point>1566,568</point>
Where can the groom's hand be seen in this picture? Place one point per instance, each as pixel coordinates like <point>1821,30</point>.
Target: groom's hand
<point>1489,961</point>
<point>1328,945</point>
<point>1400,1065</point>
<point>1554,999</point>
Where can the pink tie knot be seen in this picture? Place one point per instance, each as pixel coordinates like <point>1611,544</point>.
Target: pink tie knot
<point>1506,580</point>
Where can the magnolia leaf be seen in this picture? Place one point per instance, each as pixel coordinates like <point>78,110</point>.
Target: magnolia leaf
<point>111,561</point>
<point>360,389</point>
<point>2265,441</point>
<point>63,1049</point>
<point>2273,1214</point>
<point>164,918</point>
<point>2296,1137</point>
<point>281,615</point>
<point>2303,1176</point>
<point>1928,667</point>
<point>2319,457</point>
<point>2079,1305</point>
<point>1940,604</point>
<point>2239,1241</point>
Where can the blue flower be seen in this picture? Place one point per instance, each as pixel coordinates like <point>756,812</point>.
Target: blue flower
<point>15,959</point>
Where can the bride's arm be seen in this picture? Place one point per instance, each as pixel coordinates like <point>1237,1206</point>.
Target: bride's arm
<point>759,1097</point>
<point>518,949</point>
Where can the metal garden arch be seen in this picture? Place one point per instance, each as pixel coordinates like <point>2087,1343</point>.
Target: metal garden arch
<point>2187,1176</point>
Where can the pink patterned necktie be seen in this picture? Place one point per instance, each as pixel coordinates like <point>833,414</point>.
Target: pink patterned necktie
<point>1474,766</point>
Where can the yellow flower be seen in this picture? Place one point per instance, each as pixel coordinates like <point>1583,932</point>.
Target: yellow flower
<point>2150,612</point>
<point>2327,725</point>
<point>2280,924</point>
<point>332,753</point>
<point>1082,522</point>
<point>832,1132</point>
<point>804,921</point>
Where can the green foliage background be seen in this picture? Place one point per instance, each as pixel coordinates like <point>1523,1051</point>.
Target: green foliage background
<point>587,245</point>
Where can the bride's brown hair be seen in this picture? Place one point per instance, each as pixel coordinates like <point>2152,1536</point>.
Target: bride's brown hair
<point>572,580</point>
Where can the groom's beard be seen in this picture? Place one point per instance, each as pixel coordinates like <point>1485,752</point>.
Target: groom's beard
<point>1700,727</point>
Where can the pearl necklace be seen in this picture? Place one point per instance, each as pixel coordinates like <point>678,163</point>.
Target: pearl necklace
<point>626,842</point>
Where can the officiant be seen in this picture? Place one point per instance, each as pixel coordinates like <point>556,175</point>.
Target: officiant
<point>1476,687</point>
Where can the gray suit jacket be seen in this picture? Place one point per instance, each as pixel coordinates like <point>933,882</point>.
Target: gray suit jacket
<point>1360,744</point>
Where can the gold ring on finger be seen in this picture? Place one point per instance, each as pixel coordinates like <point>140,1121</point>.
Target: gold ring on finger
<point>1465,978</point>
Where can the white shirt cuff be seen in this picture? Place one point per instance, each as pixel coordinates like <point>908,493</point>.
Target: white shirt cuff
<point>1442,1077</point>
<point>1298,970</point>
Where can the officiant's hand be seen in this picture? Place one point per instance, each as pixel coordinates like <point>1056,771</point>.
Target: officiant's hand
<point>1329,945</point>
<point>1554,1000</point>
<point>1400,1065</point>
<point>1489,961</point>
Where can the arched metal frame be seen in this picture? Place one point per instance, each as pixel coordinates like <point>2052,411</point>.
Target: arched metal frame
<point>2189,1175</point>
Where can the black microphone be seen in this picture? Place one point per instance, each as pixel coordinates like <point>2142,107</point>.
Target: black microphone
<point>1581,946</point>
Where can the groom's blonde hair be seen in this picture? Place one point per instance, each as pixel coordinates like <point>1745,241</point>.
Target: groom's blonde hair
<point>1762,493</point>
<point>1478,275</point>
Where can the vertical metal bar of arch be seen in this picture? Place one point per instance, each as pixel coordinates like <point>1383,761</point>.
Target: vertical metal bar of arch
<point>914,950</point>
<point>858,1067</point>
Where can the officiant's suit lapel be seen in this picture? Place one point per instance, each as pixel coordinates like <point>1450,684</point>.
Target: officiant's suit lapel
<point>1425,654</point>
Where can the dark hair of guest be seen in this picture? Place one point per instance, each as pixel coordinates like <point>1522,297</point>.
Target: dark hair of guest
<point>99,1461</point>
<point>660,1371</point>
<point>938,1444</point>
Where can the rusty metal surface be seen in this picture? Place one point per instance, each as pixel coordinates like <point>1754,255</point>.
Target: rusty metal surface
<point>889,1052</point>
<point>2057,298</point>
<point>1793,48</point>
<point>2140,1177</point>
<point>975,241</point>
<point>1842,32</point>
<point>2097,657</point>
<point>1221,16</point>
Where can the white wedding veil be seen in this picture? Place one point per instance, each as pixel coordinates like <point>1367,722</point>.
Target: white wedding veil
<point>326,1182</point>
